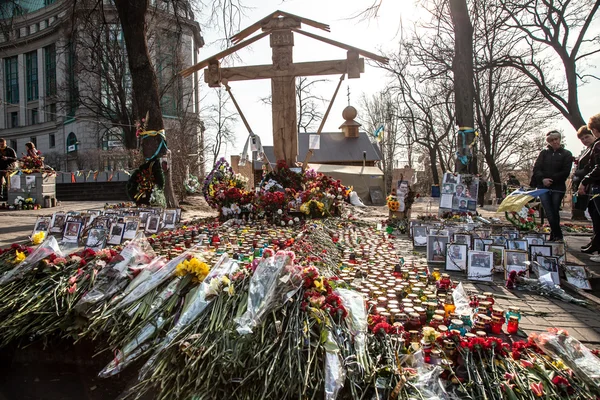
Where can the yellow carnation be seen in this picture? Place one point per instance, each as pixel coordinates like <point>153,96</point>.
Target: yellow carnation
<point>38,238</point>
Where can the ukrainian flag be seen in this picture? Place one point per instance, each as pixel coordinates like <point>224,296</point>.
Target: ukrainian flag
<point>518,199</point>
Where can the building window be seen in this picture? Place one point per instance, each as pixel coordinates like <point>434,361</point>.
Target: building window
<point>73,91</point>
<point>71,142</point>
<point>51,112</point>
<point>13,145</point>
<point>52,140</point>
<point>12,79</point>
<point>33,116</point>
<point>168,80</point>
<point>50,62</point>
<point>113,139</point>
<point>48,2</point>
<point>31,71</point>
<point>33,140</point>
<point>14,119</point>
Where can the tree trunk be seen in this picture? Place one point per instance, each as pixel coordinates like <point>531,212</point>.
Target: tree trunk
<point>132,14</point>
<point>462,68</point>
<point>434,171</point>
<point>495,175</point>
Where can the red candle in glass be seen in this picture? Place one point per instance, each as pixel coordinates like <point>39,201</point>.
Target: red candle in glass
<point>513,325</point>
<point>496,325</point>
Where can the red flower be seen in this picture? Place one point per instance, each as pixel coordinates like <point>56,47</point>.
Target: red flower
<point>526,364</point>
<point>537,389</point>
<point>562,383</point>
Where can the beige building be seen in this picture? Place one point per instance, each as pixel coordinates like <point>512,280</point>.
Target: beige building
<point>51,91</point>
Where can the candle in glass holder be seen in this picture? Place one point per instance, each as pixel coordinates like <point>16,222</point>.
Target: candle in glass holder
<point>513,325</point>
<point>496,325</point>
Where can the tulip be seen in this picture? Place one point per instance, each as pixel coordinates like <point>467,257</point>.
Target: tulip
<point>537,389</point>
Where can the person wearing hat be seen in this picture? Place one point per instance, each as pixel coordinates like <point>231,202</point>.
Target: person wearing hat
<point>590,184</point>
<point>551,170</point>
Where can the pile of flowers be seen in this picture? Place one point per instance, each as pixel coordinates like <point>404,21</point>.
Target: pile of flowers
<point>146,184</point>
<point>281,193</point>
<point>29,163</point>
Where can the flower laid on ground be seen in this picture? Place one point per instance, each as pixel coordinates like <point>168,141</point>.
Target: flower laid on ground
<point>198,269</point>
<point>19,256</point>
<point>38,238</point>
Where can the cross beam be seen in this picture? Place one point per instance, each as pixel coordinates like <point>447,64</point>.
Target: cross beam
<point>333,67</point>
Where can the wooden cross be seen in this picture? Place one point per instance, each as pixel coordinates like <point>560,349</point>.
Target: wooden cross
<point>280,28</point>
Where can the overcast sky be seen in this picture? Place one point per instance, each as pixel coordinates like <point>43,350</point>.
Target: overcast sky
<point>381,33</point>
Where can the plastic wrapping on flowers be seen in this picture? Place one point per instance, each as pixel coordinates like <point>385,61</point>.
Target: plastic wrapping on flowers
<point>48,247</point>
<point>275,280</point>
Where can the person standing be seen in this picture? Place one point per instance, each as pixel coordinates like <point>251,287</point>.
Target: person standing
<point>32,151</point>
<point>483,187</point>
<point>590,184</point>
<point>551,170</point>
<point>582,167</point>
<point>8,160</point>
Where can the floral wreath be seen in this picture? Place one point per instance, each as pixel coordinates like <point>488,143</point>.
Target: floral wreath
<point>144,181</point>
<point>392,203</point>
<point>191,184</point>
<point>523,219</point>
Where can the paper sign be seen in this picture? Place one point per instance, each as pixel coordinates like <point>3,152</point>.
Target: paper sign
<point>314,142</point>
<point>15,182</point>
<point>30,182</point>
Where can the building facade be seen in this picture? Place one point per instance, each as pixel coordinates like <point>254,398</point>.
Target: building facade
<point>63,96</point>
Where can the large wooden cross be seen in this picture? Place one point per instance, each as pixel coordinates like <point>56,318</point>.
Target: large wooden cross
<point>280,28</point>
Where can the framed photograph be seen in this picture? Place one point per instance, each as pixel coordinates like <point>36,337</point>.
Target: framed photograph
<point>436,248</point>
<point>499,240</point>
<point>548,264</point>
<point>42,224</point>
<point>534,240</point>
<point>483,233</point>
<point>419,234</point>
<point>510,233</point>
<point>498,252</point>
<point>456,257</point>
<point>463,238</point>
<point>71,232</point>
<point>131,228</point>
<point>539,250</point>
<point>101,222</point>
<point>439,232</point>
<point>57,225</point>
<point>479,244</point>
<point>449,177</point>
<point>517,244</point>
<point>514,260</point>
<point>577,276</point>
<point>178,219</point>
<point>169,219</point>
<point>558,250</point>
<point>152,224</point>
<point>143,218</point>
<point>96,239</point>
<point>116,233</point>
<point>480,265</point>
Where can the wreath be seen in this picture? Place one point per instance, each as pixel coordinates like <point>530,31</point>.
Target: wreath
<point>144,181</point>
<point>191,184</point>
<point>523,219</point>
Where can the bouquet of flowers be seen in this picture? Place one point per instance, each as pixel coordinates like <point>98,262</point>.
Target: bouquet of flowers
<point>32,163</point>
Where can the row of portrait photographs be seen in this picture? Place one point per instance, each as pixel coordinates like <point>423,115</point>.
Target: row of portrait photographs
<point>456,257</point>
<point>107,228</point>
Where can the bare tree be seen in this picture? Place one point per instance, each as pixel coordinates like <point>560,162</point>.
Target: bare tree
<point>381,109</point>
<point>555,43</point>
<point>219,122</point>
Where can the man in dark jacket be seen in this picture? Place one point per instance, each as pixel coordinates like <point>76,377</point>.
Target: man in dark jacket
<point>8,159</point>
<point>551,170</point>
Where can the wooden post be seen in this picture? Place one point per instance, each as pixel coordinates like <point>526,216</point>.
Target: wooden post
<point>283,89</point>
